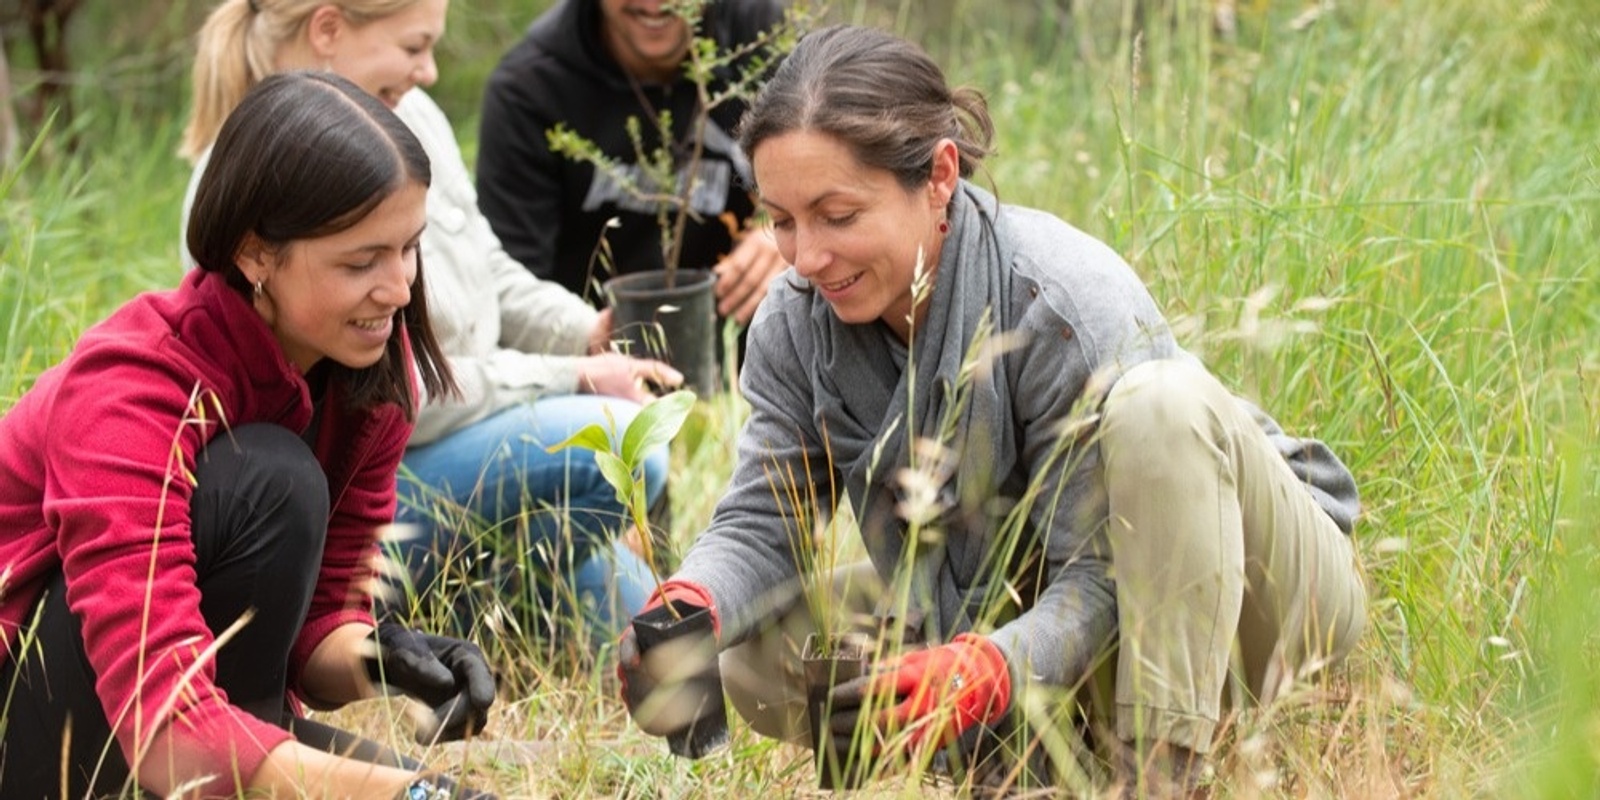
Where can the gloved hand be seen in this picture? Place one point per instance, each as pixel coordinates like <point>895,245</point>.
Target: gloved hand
<point>448,675</point>
<point>933,695</point>
<point>637,681</point>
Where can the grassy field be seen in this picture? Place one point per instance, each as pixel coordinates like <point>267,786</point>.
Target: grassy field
<point>1378,218</point>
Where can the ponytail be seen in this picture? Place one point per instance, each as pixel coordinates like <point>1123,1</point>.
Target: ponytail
<point>234,52</point>
<point>238,47</point>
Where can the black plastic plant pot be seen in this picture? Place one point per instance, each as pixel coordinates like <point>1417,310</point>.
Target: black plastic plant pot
<point>678,694</point>
<point>675,323</point>
<point>828,662</point>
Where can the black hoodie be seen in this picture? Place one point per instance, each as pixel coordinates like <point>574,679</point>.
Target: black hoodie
<point>549,211</point>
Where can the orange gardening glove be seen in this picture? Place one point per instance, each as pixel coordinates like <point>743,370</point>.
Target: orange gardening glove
<point>933,694</point>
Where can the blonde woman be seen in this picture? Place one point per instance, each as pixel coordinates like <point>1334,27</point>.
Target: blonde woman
<point>529,355</point>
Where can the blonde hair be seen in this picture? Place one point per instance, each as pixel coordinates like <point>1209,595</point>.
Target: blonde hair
<point>238,46</point>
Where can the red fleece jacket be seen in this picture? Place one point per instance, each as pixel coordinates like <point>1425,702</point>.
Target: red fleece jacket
<point>96,475</point>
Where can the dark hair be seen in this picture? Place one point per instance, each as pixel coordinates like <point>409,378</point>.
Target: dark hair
<point>307,155</point>
<point>880,95</point>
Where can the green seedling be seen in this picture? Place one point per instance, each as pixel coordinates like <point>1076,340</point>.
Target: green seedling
<point>623,467</point>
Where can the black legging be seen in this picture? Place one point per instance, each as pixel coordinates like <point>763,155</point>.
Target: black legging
<point>258,520</point>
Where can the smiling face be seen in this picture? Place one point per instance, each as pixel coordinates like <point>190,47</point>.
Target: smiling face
<point>853,231</point>
<point>338,296</point>
<point>647,41</point>
<point>387,56</point>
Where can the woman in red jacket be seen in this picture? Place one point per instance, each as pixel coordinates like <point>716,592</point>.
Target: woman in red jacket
<point>189,503</point>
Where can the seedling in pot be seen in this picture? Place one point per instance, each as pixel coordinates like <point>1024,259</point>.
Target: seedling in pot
<point>677,644</point>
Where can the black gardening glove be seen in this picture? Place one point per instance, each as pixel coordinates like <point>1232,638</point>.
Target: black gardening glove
<point>448,675</point>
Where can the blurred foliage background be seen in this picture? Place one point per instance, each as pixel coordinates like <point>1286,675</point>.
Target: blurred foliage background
<point>1378,217</point>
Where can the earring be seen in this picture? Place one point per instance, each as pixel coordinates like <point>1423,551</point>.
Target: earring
<point>259,291</point>
<point>944,226</point>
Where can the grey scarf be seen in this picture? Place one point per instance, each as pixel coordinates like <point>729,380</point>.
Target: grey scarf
<point>867,392</point>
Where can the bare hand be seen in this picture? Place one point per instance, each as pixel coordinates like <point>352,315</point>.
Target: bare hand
<point>617,375</point>
<point>743,276</point>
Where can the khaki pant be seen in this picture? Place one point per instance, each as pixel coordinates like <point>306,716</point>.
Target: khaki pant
<point>1224,564</point>
<point>1229,576</point>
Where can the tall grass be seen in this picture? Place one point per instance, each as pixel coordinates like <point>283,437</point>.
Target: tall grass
<point>1381,224</point>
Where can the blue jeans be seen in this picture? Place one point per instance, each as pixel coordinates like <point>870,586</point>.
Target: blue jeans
<point>489,507</point>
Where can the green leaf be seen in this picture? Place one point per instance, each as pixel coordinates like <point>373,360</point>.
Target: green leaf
<point>656,425</point>
<point>590,437</point>
<point>617,474</point>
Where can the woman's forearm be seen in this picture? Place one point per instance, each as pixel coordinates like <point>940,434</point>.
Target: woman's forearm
<point>335,673</point>
<point>289,769</point>
<point>293,770</point>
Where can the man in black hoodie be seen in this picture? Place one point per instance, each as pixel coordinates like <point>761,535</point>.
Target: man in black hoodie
<point>591,64</point>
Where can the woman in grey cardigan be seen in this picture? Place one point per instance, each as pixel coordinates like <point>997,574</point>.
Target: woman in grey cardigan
<point>1045,483</point>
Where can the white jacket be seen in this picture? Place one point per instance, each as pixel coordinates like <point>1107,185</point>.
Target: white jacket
<point>510,336</point>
